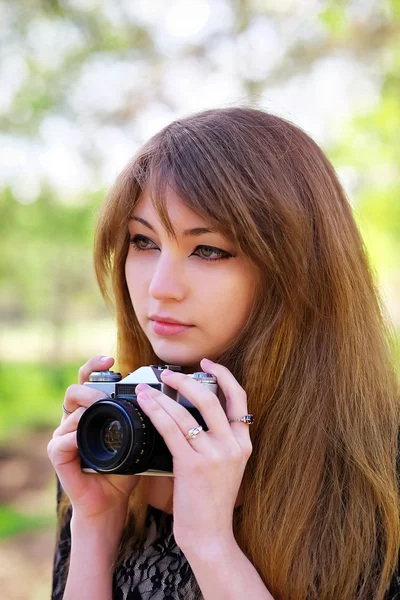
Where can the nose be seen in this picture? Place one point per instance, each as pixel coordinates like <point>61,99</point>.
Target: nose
<point>168,280</point>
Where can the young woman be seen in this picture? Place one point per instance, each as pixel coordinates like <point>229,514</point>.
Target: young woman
<point>233,225</point>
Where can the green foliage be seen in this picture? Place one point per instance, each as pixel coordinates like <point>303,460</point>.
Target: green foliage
<point>31,396</point>
<point>46,256</point>
<point>48,84</point>
<point>335,18</point>
<point>369,145</point>
<point>13,522</point>
<point>395,8</point>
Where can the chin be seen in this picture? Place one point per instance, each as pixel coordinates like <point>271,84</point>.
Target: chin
<point>180,357</point>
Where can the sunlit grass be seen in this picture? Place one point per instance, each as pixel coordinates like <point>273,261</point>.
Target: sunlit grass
<point>31,396</point>
<point>13,522</point>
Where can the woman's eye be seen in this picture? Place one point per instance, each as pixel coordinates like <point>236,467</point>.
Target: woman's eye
<point>207,253</point>
<point>140,242</point>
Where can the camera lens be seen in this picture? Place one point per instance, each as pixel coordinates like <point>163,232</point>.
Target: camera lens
<point>112,435</point>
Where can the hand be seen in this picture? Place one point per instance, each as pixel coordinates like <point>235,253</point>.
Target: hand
<point>92,495</point>
<point>208,470</point>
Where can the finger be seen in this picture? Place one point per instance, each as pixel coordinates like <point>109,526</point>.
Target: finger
<point>236,400</point>
<point>169,430</point>
<point>97,363</point>
<point>63,453</point>
<point>70,423</point>
<point>202,398</point>
<point>79,395</point>
<point>182,417</point>
<point>63,449</point>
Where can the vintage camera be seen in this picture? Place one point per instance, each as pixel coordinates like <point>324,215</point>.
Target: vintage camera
<point>115,436</point>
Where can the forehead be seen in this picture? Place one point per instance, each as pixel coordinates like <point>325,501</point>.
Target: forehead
<point>176,209</point>
<point>172,214</point>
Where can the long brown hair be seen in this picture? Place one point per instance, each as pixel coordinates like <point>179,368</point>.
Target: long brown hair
<point>320,517</point>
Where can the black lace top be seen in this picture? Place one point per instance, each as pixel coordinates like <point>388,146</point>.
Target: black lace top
<point>158,571</point>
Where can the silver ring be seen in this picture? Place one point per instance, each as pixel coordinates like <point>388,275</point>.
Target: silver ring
<point>192,433</point>
<point>247,419</point>
<point>65,410</point>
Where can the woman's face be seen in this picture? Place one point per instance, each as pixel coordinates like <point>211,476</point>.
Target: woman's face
<point>200,280</point>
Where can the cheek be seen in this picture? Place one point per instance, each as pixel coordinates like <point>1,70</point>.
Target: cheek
<point>229,299</point>
<point>136,280</point>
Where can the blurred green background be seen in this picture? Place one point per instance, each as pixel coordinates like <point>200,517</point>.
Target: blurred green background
<point>82,84</point>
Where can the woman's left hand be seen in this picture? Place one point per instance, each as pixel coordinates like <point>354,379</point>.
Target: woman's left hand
<point>208,469</point>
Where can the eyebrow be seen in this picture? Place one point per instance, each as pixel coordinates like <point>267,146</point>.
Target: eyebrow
<point>187,232</point>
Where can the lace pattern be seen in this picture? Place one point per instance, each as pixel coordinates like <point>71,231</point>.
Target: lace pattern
<point>157,571</point>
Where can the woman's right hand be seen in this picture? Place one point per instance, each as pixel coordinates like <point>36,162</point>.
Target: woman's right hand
<point>93,496</point>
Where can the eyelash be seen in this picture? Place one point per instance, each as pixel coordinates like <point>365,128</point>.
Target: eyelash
<point>222,254</point>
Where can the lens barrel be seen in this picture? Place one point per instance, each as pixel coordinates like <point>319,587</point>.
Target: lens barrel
<point>114,437</point>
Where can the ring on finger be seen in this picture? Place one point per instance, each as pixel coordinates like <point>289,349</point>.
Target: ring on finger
<point>247,419</point>
<point>67,412</point>
<point>194,432</point>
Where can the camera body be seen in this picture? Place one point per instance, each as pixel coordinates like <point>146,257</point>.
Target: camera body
<point>115,436</point>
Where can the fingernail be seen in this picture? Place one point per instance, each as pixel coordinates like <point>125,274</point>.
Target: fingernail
<point>141,387</point>
<point>105,359</point>
<point>207,362</point>
<point>166,372</point>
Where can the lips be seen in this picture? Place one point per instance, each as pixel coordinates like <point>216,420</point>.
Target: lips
<point>167,329</point>
<point>166,319</point>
